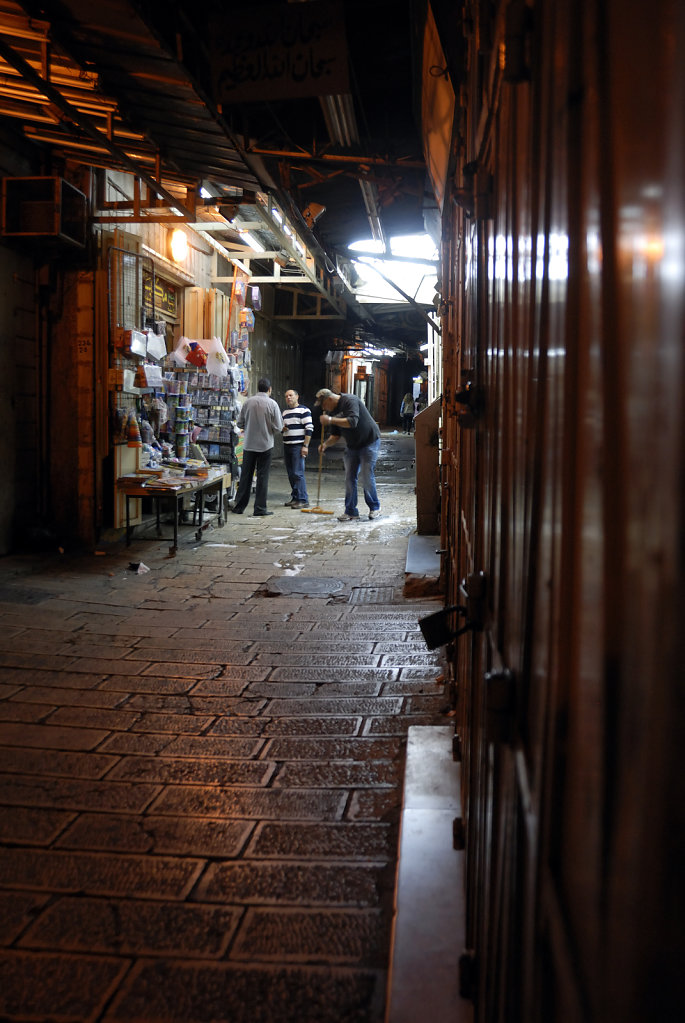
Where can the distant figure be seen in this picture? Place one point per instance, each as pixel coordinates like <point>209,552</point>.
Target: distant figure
<point>348,416</point>
<point>297,431</point>
<point>407,412</point>
<point>259,418</point>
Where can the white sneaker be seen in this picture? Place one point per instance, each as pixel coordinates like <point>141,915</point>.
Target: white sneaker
<point>375,514</point>
<point>347,518</point>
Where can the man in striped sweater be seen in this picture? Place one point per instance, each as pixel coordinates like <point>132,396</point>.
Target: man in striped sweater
<point>297,430</point>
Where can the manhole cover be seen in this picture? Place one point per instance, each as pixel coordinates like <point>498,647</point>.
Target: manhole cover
<point>371,595</point>
<point>311,585</point>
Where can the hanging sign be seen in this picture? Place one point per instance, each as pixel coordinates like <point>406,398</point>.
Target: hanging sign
<point>288,51</point>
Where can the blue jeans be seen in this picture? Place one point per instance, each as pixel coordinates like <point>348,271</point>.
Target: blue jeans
<point>361,460</point>
<point>294,463</point>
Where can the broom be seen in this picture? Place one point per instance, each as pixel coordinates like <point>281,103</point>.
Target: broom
<point>317,509</point>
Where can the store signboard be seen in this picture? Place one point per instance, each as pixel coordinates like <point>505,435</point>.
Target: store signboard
<point>165,297</point>
<point>285,51</point>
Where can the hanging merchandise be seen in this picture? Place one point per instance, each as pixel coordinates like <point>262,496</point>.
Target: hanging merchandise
<point>240,291</point>
<point>233,338</point>
<point>197,356</point>
<point>247,319</point>
<point>217,359</point>
<point>134,440</point>
<point>256,297</point>
<point>181,352</point>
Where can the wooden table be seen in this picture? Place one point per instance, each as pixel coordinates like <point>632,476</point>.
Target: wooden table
<point>190,486</point>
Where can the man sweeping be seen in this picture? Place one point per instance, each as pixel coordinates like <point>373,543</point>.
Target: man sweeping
<point>348,417</point>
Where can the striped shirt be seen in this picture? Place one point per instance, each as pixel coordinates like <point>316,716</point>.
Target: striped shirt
<point>299,423</point>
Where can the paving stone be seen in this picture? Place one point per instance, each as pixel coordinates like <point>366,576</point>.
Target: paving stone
<point>32,825</point>
<point>94,717</point>
<point>128,927</point>
<point>135,834</point>
<point>193,770</point>
<point>103,666</point>
<point>427,704</point>
<point>93,649</point>
<point>70,765</point>
<point>349,689</point>
<point>321,707</point>
<point>285,689</point>
<point>148,684</point>
<point>159,877</point>
<point>338,774</point>
<point>201,655</point>
<point>48,620</point>
<point>140,742</point>
<point>74,793</point>
<point>322,841</point>
<point>313,726</point>
<point>349,648</point>
<point>32,713</point>
<point>322,660</point>
<point>7,691</point>
<point>189,724</point>
<point>178,992</point>
<point>178,668</point>
<point>273,804</point>
<point>56,679</point>
<point>234,725</point>
<point>332,749</point>
<point>342,674</point>
<point>57,696</point>
<point>290,884</point>
<point>419,674</point>
<point>214,746</point>
<point>62,989</point>
<point>213,705</point>
<point>17,909</point>
<point>330,936</point>
<point>47,737</point>
<point>426,687</point>
<point>398,725</point>
<point>400,659</point>
<point>374,804</point>
<point>100,625</point>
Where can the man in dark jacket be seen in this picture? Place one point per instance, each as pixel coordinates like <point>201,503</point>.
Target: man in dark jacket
<point>348,417</point>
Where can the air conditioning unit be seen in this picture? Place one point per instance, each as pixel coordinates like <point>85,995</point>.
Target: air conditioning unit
<point>44,209</point>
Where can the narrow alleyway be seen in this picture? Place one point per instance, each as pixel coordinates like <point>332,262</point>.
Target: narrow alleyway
<point>202,766</point>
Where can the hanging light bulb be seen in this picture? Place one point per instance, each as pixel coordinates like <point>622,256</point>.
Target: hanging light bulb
<point>178,244</point>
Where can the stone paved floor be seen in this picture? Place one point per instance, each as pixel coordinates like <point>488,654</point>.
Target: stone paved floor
<point>200,776</point>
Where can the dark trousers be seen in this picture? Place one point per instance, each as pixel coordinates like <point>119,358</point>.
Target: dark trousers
<point>261,461</point>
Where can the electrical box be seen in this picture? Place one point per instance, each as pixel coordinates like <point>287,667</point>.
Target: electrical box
<point>43,209</point>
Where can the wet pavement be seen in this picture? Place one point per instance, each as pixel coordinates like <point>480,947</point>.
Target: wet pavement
<point>201,765</point>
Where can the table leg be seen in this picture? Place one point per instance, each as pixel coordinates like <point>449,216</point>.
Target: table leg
<point>128,523</point>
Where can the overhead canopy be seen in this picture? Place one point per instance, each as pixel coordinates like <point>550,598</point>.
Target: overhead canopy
<point>232,98</point>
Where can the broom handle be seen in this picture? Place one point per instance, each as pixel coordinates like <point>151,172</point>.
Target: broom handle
<point>318,489</point>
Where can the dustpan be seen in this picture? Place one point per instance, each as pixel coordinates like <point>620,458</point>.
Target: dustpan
<point>317,509</point>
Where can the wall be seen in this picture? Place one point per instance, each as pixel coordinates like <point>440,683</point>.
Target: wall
<point>19,399</point>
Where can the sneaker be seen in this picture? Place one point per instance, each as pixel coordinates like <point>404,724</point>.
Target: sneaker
<point>299,504</point>
<point>375,514</point>
<point>290,503</point>
<point>347,518</point>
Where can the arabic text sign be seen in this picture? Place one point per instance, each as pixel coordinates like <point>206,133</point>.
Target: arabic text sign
<point>284,52</point>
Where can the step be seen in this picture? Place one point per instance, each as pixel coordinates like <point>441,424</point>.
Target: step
<point>429,909</point>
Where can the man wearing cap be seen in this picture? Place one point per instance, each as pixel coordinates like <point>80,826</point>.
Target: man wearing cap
<point>348,417</point>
